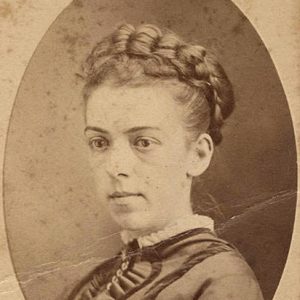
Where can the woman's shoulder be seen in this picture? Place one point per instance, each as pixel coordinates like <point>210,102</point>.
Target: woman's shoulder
<point>212,269</point>
<point>204,252</point>
<point>222,264</point>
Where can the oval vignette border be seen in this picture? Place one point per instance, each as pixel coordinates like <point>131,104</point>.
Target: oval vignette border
<point>289,100</point>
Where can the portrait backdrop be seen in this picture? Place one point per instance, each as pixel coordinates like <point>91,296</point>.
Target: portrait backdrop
<point>56,226</point>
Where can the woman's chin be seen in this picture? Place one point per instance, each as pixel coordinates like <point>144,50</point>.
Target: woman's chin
<point>134,221</point>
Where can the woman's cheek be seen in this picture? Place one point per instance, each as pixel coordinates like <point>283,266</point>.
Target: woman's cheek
<point>100,176</point>
<point>97,162</point>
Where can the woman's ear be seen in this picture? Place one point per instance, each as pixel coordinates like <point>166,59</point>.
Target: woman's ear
<point>200,156</point>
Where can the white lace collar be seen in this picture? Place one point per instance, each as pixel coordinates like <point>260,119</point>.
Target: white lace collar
<point>181,225</point>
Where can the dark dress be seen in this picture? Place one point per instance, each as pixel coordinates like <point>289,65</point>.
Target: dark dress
<point>194,264</point>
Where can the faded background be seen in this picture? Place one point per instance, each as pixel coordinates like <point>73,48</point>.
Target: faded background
<point>57,229</point>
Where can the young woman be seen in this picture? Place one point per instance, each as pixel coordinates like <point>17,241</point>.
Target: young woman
<point>154,109</point>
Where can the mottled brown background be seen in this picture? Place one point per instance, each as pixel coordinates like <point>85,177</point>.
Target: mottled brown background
<point>56,228</point>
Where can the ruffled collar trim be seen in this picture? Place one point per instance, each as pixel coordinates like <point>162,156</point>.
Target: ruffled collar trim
<point>181,225</point>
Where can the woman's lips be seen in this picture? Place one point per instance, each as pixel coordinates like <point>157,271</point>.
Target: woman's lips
<point>125,201</point>
<point>117,195</point>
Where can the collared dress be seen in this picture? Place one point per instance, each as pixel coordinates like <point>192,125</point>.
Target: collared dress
<point>185,261</point>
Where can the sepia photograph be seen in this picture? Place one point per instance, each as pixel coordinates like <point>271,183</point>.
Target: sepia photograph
<point>150,152</point>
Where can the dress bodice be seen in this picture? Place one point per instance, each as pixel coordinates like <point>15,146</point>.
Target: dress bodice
<point>194,264</point>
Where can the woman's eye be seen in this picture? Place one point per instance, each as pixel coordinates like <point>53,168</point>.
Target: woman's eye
<point>99,143</point>
<point>146,143</point>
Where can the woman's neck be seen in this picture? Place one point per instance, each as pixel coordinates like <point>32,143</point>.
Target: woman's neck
<point>184,223</point>
<point>170,218</point>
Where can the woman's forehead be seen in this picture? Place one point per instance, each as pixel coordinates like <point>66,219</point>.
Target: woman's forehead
<point>151,106</point>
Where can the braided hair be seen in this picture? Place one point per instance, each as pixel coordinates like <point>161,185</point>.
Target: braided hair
<point>144,55</point>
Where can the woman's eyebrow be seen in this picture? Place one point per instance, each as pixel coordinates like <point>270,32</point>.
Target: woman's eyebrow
<point>140,128</point>
<point>95,128</point>
<point>131,130</point>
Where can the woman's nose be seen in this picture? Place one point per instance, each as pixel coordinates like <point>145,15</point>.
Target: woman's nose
<point>120,162</point>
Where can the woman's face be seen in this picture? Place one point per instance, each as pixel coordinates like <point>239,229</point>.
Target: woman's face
<point>139,154</point>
